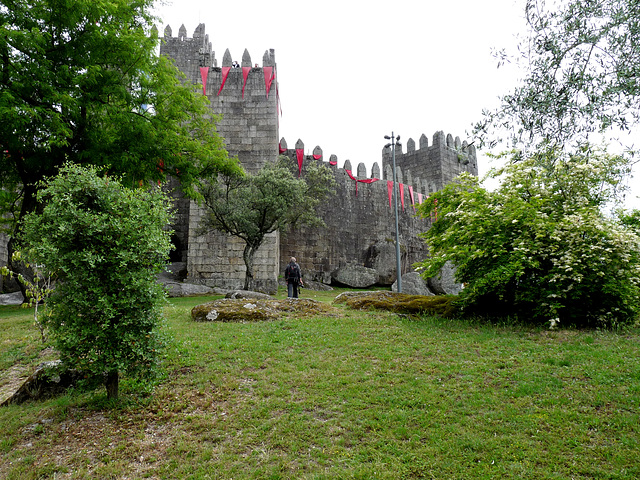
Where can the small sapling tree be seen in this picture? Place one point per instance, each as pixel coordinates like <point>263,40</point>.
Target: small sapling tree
<point>250,207</point>
<point>106,244</point>
<point>37,288</point>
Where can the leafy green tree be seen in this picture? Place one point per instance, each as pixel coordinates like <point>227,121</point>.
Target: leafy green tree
<point>581,60</point>
<point>106,244</point>
<point>539,246</point>
<point>81,82</point>
<point>253,206</point>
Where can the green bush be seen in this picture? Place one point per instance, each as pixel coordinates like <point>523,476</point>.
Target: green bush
<point>540,247</point>
<point>105,244</point>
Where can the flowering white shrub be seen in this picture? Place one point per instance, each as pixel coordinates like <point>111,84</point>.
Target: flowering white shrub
<point>540,247</point>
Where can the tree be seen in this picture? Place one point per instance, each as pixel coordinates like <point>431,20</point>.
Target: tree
<point>106,244</point>
<point>582,74</point>
<point>539,246</point>
<point>80,82</point>
<point>253,206</point>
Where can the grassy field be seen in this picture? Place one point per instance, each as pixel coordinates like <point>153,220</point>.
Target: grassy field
<point>348,395</point>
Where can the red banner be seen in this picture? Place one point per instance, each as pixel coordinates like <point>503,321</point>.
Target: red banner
<point>268,78</point>
<point>334,163</point>
<point>300,156</point>
<point>317,157</point>
<point>401,185</point>
<point>419,199</point>
<point>366,180</point>
<point>245,75</point>
<point>390,191</point>
<point>411,197</point>
<point>282,150</point>
<point>204,72</point>
<point>225,74</point>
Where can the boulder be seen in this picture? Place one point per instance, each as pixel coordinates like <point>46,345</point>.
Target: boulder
<point>445,282</point>
<point>309,285</point>
<point>400,303</point>
<point>48,380</point>
<point>412,284</point>
<point>245,310</point>
<point>247,294</point>
<point>14,298</point>
<point>175,289</point>
<point>381,256</point>
<point>355,276</point>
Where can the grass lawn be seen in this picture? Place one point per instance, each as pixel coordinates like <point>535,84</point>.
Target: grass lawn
<point>350,395</point>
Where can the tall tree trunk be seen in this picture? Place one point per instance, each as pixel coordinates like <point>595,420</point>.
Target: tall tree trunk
<point>248,255</point>
<point>29,204</point>
<point>111,382</point>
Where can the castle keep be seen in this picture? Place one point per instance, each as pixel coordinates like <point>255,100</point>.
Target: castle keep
<point>360,229</point>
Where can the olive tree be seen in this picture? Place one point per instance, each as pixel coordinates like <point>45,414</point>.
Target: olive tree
<point>251,206</point>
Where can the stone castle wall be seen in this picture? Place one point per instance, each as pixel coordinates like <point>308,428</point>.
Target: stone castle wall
<point>248,123</point>
<point>360,230</point>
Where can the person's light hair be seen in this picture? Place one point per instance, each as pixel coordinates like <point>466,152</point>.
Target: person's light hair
<point>293,259</point>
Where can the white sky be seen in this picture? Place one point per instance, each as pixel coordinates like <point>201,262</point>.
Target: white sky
<point>352,71</point>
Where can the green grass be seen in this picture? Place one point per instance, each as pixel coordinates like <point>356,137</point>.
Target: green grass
<point>356,395</point>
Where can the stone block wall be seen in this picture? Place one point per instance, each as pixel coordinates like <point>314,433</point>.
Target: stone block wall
<point>360,229</point>
<point>247,110</point>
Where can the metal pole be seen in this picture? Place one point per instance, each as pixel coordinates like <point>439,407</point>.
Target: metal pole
<point>395,204</point>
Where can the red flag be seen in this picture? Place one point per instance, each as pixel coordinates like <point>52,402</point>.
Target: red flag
<point>364,180</point>
<point>419,199</point>
<point>390,190</point>
<point>282,150</point>
<point>204,72</point>
<point>411,197</point>
<point>317,157</point>
<point>333,163</point>
<point>268,78</point>
<point>401,185</point>
<point>300,156</point>
<point>245,75</point>
<point>225,74</point>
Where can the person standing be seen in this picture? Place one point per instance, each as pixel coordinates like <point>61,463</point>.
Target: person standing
<point>293,277</point>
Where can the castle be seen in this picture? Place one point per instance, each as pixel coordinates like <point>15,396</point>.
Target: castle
<point>360,228</point>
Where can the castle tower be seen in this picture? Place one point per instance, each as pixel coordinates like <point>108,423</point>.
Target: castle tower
<point>246,100</point>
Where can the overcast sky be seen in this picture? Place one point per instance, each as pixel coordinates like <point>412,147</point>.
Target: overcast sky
<point>351,71</point>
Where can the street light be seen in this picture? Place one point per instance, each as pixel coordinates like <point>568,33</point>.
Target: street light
<point>395,141</point>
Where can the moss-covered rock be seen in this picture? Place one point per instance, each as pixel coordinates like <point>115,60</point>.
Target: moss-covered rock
<point>256,310</point>
<point>441,305</point>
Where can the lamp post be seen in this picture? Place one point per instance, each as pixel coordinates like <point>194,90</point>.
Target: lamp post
<point>395,140</point>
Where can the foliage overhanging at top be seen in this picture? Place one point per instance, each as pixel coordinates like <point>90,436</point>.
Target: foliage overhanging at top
<point>582,59</point>
<point>539,246</point>
<point>80,81</point>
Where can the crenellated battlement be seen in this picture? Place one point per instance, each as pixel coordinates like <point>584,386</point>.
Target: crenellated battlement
<point>359,218</point>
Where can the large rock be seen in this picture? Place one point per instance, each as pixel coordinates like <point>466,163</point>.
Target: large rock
<point>247,294</point>
<point>381,256</point>
<point>246,310</point>
<point>14,298</point>
<point>48,380</point>
<point>175,289</point>
<point>402,303</point>
<point>412,284</point>
<point>445,282</point>
<point>356,276</point>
